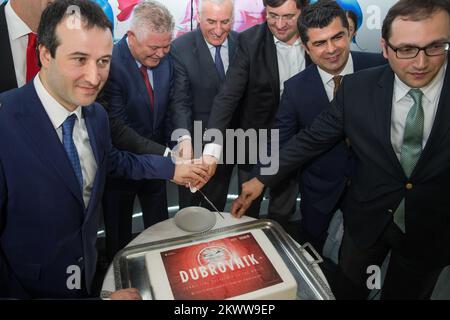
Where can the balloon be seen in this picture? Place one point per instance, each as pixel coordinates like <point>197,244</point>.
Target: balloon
<point>104,4</point>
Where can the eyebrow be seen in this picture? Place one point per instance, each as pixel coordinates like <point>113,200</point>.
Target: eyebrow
<point>77,54</point>
<point>332,37</point>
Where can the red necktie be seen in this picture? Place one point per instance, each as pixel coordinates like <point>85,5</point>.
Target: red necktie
<point>32,60</point>
<point>144,73</point>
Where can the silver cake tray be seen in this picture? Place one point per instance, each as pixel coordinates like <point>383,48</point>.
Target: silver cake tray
<point>130,268</point>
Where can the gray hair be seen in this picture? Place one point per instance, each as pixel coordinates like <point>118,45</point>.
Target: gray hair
<point>218,2</point>
<point>152,16</point>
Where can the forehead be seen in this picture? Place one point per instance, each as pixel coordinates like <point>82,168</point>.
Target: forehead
<point>422,32</point>
<point>288,7</point>
<point>73,36</point>
<point>152,38</point>
<point>317,34</point>
<point>211,10</point>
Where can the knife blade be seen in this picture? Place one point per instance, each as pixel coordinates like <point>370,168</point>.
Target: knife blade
<point>194,190</point>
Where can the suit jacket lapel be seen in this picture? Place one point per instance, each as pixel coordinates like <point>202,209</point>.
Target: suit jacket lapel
<point>130,64</point>
<point>440,126</point>
<point>8,80</point>
<point>271,62</point>
<point>205,59</point>
<point>317,87</point>
<point>383,112</point>
<point>45,141</point>
<point>231,46</point>
<point>89,114</point>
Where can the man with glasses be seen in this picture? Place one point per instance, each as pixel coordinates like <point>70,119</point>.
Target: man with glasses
<point>268,54</point>
<point>397,118</point>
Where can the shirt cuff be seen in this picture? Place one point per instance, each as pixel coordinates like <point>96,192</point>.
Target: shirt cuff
<point>213,149</point>
<point>184,138</point>
<point>167,152</point>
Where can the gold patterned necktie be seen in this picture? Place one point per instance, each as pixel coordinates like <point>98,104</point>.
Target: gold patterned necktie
<point>337,82</point>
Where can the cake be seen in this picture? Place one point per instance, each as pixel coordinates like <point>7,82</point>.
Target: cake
<point>242,265</point>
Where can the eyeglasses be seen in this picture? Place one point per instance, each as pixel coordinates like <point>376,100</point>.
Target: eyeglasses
<point>407,52</point>
<point>285,18</point>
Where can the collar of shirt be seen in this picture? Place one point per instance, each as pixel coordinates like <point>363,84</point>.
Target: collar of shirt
<point>211,47</point>
<point>430,92</point>
<point>55,111</point>
<point>16,27</point>
<point>281,44</point>
<point>327,78</point>
<point>149,70</point>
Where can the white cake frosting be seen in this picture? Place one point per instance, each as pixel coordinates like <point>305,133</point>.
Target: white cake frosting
<point>243,265</point>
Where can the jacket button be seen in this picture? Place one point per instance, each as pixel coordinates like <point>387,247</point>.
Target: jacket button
<point>409,186</point>
<point>391,211</point>
<point>80,259</point>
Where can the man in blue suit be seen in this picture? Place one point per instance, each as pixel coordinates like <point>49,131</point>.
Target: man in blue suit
<point>55,154</point>
<point>324,31</point>
<point>137,92</point>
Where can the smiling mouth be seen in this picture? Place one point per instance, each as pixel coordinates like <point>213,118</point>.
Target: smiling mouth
<point>89,90</point>
<point>333,58</point>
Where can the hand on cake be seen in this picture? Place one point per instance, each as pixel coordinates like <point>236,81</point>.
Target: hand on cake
<point>250,191</point>
<point>191,172</point>
<point>126,294</point>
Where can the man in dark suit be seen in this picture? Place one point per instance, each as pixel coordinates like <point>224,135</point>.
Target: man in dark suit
<point>324,31</point>
<point>397,119</point>
<point>267,55</point>
<point>19,20</point>
<point>55,153</point>
<point>137,91</point>
<point>200,59</point>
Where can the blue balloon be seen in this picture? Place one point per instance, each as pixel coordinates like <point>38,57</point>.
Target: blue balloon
<point>106,7</point>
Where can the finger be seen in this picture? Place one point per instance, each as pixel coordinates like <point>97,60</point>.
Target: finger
<point>243,209</point>
<point>235,206</point>
<point>196,178</point>
<point>200,172</point>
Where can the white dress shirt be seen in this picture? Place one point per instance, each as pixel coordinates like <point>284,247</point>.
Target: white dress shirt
<point>223,53</point>
<point>402,103</point>
<point>291,60</point>
<point>327,78</point>
<point>225,60</point>
<point>18,37</point>
<point>58,114</point>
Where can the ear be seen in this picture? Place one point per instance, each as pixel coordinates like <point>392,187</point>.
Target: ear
<point>306,48</point>
<point>198,17</point>
<point>384,48</point>
<point>44,56</point>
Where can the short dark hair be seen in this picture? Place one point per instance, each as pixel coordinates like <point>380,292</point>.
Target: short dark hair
<point>319,15</point>
<point>91,15</point>
<point>276,3</point>
<point>352,15</point>
<point>415,10</point>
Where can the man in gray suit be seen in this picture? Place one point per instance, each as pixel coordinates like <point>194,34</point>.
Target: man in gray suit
<point>200,59</point>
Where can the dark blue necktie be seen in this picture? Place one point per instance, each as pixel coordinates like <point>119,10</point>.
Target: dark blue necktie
<point>219,63</point>
<point>71,150</point>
